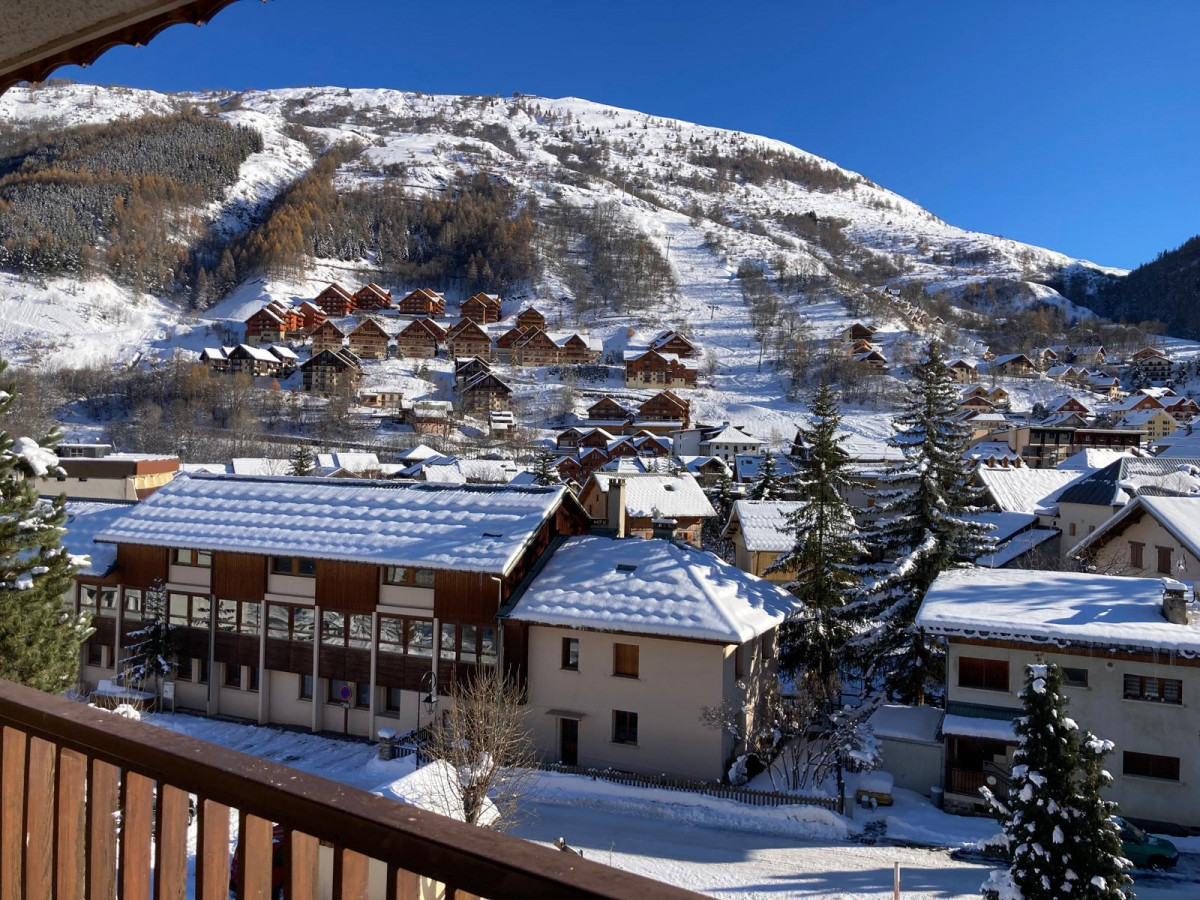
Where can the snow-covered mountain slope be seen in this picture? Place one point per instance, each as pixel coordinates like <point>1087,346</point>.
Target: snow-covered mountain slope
<point>662,175</point>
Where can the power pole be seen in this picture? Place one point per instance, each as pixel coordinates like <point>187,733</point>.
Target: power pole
<point>712,310</point>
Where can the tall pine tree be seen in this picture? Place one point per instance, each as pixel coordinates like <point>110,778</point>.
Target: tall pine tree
<point>1058,829</point>
<point>39,642</point>
<point>768,485</point>
<point>545,472</point>
<point>919,530</point>
<point>303,461</point>
<point>825,554</point>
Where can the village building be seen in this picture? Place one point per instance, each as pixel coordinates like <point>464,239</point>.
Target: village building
<point>1016,365</point>
<point>216,358</point>
<point>1092,357</point>
<point>256,361</point>
<point>95,472</point>
<point>502,347</point>
<point>369,340</point>
<point>483,309</point>
<point>485,392</point>
<point>665,412</point>
<point>274,621</point>
<point>871,360</point>
<point>1127,649</point>
<point>1138,401</point>
<point>747,468</point>
<point>1157,423</point>
<point>418,339</point>
<point>534,348</point>
<point>650,368</point>
<point>381,399</point>
<point>1182,409</point>
<point>707,470</point>
<point>729,441</point>
<point>311,316</point>
<point>577,350</point>
<point>422,302</point>
<point>607,412</point>
<point>1153,363</point>
<point>335,301</point>
<point>429,416</point>
<point>266,326</point>
<point>466,370</point>
<point>468,339</point>
<point>760,531</point>
<point>858,331</point>
<point>371,298</point>
<point>501,423</point>
<point>531,318</point>
<point>331,372</point>
<point>1105,385</point>
<point>645,506</point>
<point>629,640</point>
<point>1149,537</point>
<point>328,336</point>
<point>964,371</point>
<point>1068,403</point>
<point>674,343</point>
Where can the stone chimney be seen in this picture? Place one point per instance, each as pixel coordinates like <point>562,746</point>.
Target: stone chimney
<point>1174,604</point>
<point>616,506</point>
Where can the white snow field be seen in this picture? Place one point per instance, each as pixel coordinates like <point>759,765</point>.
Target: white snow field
<point>712,846</point>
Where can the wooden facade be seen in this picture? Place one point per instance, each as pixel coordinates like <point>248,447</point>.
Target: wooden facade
<point>417,340</point>
<point>423,302</point>
<point>482,308</point>
<point>335,300</point>
<point>372,297</point>
<point>266,326</point>
<point>676,343</point>
<point>535,348</point>
<point>607,409</point>
<point>328,336</point>
<point>484,393</point>
<point>468,340</point>
<point>369,340</point>
<point>575,350</point>
<point>531,318</point>
<point>329,372</point>
<point>653,369</point>
<point>666,406</point>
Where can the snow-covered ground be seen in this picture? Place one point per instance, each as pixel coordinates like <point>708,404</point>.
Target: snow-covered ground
<point>714,846</point>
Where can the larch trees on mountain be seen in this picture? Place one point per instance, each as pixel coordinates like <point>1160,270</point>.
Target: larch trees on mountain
<point>921,528</point>
<point>39,641</point>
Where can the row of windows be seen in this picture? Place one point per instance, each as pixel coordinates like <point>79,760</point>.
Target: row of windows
<point>625,662</point>
<point>304,567</point>
<point>1137,557</point>
<point>360,693</point>
<point>992,675</point>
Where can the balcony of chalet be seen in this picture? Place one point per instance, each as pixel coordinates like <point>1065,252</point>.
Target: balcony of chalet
<point>95,805</point>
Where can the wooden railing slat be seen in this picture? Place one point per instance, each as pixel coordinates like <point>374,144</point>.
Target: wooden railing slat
<point>70,839</point>
<point>102,804</point>
<point>255,862</point>
<point>39,819</point>
<point>12,820</point>
<point>349,875</point>
<point>137,801</point>
<point>403,884</point>
<point>170,844</point>
<point>212,850</point>
<point>300,851</point>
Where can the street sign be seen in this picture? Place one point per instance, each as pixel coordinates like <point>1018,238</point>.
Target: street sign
<point>345,693</point>
<point>168,689</point>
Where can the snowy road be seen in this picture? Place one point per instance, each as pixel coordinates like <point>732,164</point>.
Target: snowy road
<point>733,864</point>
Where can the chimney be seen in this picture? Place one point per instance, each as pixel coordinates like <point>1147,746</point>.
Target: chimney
<point>616,506</point>
<point>1174,604</point>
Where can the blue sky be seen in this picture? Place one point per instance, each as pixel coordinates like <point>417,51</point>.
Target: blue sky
<point>1070,125</point>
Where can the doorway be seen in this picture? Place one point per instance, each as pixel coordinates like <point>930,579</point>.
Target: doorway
<point>568,741</point>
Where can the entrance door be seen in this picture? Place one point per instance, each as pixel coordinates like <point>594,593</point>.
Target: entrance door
<point>568,739</point>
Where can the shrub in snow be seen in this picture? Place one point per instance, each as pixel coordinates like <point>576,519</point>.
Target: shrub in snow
<point>1058,830</point>
<point>39,642</point>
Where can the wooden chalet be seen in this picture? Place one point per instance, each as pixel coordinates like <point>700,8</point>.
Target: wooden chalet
<point>311,316</point>
<point>535,348</point>
<point>666,408</point>
<point>1091,356</point>
<point>859,331</point>
<point>531,318</point>
<point>216,358</point>
<point>381,399</point>
<point>571,469</point>
<point>335,300</point>
<point>608,410</point>
<point>650,368</point>
<point>502,348</point>
<point>1153,363</point>
<point>568,439</point>
<point>266,326</point>
<point>872,360</point>
<point>485,392</point>
<point>676,343</point>
<point>419,339</point>
<point>423,302</point>
<point>372,297</point>
<point>430,416</point>
<point>256,361</point>
<point>328,336</point>
<point>575,350</point>
<point>596,439</point>
<point>482,308</point>
<point>369,340</point>
<point>466,370</point>
<point>331,372</point>
<point>964,371</point>
<point>468,340</point>
<point>1016,365</point>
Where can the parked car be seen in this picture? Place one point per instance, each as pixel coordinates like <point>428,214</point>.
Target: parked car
<point>278,870</point>
<point>1145,851</point>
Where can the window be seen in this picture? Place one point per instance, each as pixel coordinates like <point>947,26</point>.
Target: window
<point>1156,690</point>
<point>253,686</point>
<point>294,565</point>
<point>233,675</point>
<point>625,727</point>
<point>201,611</point>
<point>87,597</point>
<point>133,603</point>
<point>1075,677</point>
<point>362,695</point>
<point>201,558</point>
<point>983,674</point>
<point>251,615</point>
<point>202,674</point>
<point>424,578</point>
<point>468,644</point>
<point>306,687</point>
<point>108,601</point>
<point>227,615</point>
<point>183,668</point>
<point>1135,554</point>
<point>303,623</point>
<point>189,610</point>
<point>279,622</point>
<point>625,660</point>
<point>358,632</point>
<point>1164,560</point>
<point>393,700</point>
<point>487,646</point>
<point>95,653</point>
<point>1150,765</point>
<point>333,628</point>
<point>449,646</point>
<point>395,575</point>
<point>1072,529</point>
<point>420,638</point>
<point>570,654</point>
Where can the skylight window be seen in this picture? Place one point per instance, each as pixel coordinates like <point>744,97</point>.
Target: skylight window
<point>493,534</point>
<point>626,567</point>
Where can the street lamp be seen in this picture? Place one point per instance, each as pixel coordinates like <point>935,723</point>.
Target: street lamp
<point>429,685</point>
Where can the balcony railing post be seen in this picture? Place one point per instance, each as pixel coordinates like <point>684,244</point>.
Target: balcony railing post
<point>12,794</point>
<point>70,841</point>
<point>212,851</point>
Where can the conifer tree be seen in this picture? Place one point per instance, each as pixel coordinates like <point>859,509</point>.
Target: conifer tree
<point>1058,829</point>
<point>919,530</point>
<point>153,654</point>
<point>39,642</point>
<point>303,461</point>
<point>825,554</point>
<point>545,472</point>
<point>722,498</point>
<point>768,485</point>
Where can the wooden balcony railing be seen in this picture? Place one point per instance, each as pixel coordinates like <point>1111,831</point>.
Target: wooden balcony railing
<point>95,805</point>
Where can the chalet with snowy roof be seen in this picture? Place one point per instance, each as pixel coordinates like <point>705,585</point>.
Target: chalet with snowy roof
<point>381,399</point>
<point>1138,400</point>
<point>369,340</point>
<point>370,584</point>
<point>429,416</point>
<point>418,340</point>
<point>466,339</point>
<point>483,309</point>
<point>568,439</point>
<point>372,298</point>
<point>1068,403</point>
<point>485,392</point>
<point>311,316</point>
<point>993,454</point>
<point>999,396</point>
<point>707,470</point>
<point>964,371</point>
<point>674,343</point>
<point>534,348</point>
<point>1092,356</point>
<point>858,331</point>
<point>335,300</point>
<point>1182,409</point>
<point>871,360</point>
<point>607,411</point>
<point>466,370</point>
<point>1016,365</point>
<point>747,467</point>
<point>976,403</point>
<point>216,358</point>
<point>328,336</point>
<point>651,368</point>
<point>422,302</point>
<point>761,530</point>
<point>628,640</point>
<point>1105,385</point>
<point>729,441</point>
<point>531,317</point>
<point>596,437</point>
<point>577,350</point>
<point>331,372</point>
<point>645,506</point>
<point>1127,649</point>
<point>1157,423</point>
<point>266,326</point>
<point>256,361</point>
<point>1149,537</point>
<point>666,409</point>
<point>1069,374</point>
<point>1153,363</point>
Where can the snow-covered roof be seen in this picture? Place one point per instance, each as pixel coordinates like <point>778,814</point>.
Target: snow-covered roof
<point>206,468</point>
<point>660,496</point>
<point>731,435</point>
<point>1058,403</point>
<point>417,453</point>
<point>86,519</point>
<point>1026,490</point>
<point>477,528</point>
<point>1038,606</point>
<point>652,587</point>
<point>978,727</point>
<point>897,722</point>
<point>353,462</point>
<point>764,524</point>
<point>1138,417</point>
<point>1181,444</point>
<point>747,466</point>
<point>1017,546</point>
<point>1092,458</point>
<point>258,353</point>
<point>1180,516</point>
<point>991,450</point>
<point>1117,483</point>
<point>260,465</point>
<point>696,464</point>
<point>1004,524</point>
